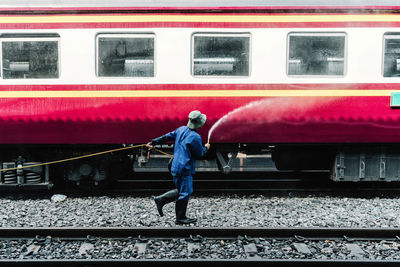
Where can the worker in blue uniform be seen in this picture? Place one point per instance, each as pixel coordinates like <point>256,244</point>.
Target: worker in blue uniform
<point>188,147</point>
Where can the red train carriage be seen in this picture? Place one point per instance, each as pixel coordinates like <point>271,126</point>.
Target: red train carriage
<point>315,83</point>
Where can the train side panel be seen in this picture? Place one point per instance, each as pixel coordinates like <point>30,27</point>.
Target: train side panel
<point>268,105</point>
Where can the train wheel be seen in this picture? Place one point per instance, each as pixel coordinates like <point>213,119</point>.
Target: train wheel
<point>89,175</point>
<point>97,174</point>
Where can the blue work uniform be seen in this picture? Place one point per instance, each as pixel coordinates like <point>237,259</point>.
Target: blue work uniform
<point>188,147</point>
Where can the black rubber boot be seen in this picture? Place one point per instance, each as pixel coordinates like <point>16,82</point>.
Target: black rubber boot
<point>165,198</point>
<point>180,209</point>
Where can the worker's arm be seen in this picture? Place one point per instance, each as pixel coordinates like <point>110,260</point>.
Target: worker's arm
<point>162,139</point>
<point>197,149</point>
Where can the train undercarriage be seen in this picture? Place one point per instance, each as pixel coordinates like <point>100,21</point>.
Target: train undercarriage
<point>26,166</point>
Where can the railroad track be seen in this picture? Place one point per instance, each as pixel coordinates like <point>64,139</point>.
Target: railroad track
<point>199,246</point>
<point>250,182</point>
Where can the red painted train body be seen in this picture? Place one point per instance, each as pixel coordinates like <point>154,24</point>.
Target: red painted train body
<point>104,120</point>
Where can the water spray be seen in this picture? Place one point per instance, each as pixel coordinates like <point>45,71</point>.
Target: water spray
<point>226,116</point>
<point>274,114</point>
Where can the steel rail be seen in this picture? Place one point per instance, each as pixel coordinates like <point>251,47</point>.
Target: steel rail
<point>217,186</point>
<point>208,232</point>
<point>73,233</point>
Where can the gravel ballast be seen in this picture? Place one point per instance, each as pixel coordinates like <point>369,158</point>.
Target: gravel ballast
<point>210,211</point>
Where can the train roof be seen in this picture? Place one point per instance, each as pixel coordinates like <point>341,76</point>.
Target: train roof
<point>54,4</point>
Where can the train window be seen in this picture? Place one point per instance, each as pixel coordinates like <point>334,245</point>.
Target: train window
<point>391,58</point>
<point>125,55</point>
<point>24,58</point>
<point>316,54</point>
<point>220,54</point>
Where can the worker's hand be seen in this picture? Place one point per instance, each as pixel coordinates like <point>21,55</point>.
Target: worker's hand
<point>207,146</point>
<point>149,146</point>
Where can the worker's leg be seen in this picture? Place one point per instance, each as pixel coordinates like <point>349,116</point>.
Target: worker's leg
<point>184,184</point>
<point>165,198</point>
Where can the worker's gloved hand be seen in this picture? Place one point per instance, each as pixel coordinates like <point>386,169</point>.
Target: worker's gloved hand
<point>149,146</point>
<point>207,146</point>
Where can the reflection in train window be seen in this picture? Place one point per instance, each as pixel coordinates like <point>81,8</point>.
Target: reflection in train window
<point>316,54</point>
<point>125,55</point>
<point>30,59</point>
<point>220,54</point>
<point>391,61</point>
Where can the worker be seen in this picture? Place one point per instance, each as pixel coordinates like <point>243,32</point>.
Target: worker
<point>188,147</point>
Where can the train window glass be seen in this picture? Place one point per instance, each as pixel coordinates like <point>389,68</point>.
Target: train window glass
<point>391,58</point>
<point>30,59</point>
<point>316,54</point>
<point>125,55</point>
<point>220,54</point>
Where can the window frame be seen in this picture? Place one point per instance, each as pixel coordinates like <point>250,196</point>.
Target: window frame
<point>220,34</point>
<point>125,35</point>
<point>317,34</point>
<point>31,38</point>
<point>397,34</point>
